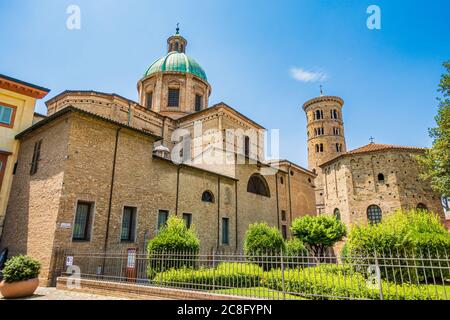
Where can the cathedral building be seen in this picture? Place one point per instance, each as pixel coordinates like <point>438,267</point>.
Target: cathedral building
<point>103,173</point>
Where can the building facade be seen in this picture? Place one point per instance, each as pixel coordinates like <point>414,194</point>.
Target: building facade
<point>106,177</point>
<point>17,103</point>
<point>361,185</point>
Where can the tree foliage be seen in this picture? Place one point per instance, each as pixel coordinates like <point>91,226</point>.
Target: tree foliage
<point>435,164</point>
<point>318,233</point>
<point>261,239</point>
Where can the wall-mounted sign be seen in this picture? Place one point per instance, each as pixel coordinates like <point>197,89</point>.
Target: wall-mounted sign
<point>69,261</point>
<point>131,261</point>
<point>64,225</point>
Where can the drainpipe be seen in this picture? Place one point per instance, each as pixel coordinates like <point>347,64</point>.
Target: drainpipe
<point>278,204</point>
<point>236,213</point>
<point>178,189</point>
<point>113,175</point>
<point>290,198</point>
<point>218,212</point>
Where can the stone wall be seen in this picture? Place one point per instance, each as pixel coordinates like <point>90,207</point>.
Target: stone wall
<point>352,185</point>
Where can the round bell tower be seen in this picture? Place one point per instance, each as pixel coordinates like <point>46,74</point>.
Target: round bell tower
<point>326,139</point>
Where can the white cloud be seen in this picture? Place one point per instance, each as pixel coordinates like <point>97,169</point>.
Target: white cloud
<point>302,75</point>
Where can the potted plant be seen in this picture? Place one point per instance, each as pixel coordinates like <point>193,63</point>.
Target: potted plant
<point>20,277</point>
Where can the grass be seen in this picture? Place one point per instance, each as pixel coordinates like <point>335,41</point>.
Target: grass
<point>257,292</point>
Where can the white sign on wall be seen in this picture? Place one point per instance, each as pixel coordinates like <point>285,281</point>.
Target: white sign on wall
<point>69,261</point>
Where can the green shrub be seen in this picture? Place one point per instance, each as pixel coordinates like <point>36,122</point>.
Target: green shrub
<point>20,268</point>
<point>261,239</point>
<point>318,232</point>
<point>175,246</point>
<point>415,234</point>
<point>225,275</point>
<point>337,282</point>
<point>264,245</point>
<point>296,254</point>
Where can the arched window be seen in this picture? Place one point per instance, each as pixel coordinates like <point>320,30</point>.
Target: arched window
<point>176,46</point>
<point>381,177</point>
<point>337,214</point>
<point>207,196</point>
<point>321,147</point>
<point>422,207</point>
<point>258,185</point>
<point>374,214</point>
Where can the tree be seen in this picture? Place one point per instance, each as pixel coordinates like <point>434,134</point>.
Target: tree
<point>318,233</point>
<point>435,164</point>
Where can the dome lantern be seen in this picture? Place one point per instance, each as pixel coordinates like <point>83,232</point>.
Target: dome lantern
<point>176,42</point>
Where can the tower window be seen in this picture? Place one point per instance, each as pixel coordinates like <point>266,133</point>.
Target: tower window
<point>334,114</point>
<point>149,100</point>
<point>198,102</point>
<point>336,131</point>
<point>36,157</point>
<point>176,46</point>
<point>337,214</point>
<point>174,98</point>
<point>338,147</point>
<point>318,115</point>
<point>381,177</point>
<point>321,147</point>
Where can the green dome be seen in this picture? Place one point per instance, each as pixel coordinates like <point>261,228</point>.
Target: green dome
<point>177,62</point>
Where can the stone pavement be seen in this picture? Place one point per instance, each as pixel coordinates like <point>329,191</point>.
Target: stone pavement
<point>54,294</point>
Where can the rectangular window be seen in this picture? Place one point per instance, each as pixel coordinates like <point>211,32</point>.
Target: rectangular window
<point>83,220</point>
<point>174,97</point>
<point>283,215</point>
<point>225,231</point>
<point>247,146</point>
<point>284,231</point>
<point>6,115</point>
<point>128,224</point>
<point>198,102</point>
<point>36,157</point>
<point>163,215</point>
<point>187,217</point>
<point>149,100</point>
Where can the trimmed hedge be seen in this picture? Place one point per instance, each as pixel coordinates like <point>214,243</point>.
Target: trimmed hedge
<point>175,246</point>
<point>335,282</point>
<point>414,234</point>
<point>225,275</point>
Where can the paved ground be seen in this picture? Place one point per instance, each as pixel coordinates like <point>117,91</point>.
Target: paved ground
<point>53,294</point>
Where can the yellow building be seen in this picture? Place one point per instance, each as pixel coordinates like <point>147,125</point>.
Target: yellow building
<point>17,102</point>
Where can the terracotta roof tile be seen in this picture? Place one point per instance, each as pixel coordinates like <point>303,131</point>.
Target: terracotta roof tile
<point>372,147</point>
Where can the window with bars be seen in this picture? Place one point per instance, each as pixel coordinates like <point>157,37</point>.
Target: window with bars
<point>174,98</point>
<point>187,217</point>
<point>36,157</point>
<point>163,215</point>
<point>198,102</point>
<point>374,214</point>
<point>83,220</point>
<point>225,231</point>
<point>149,100</point>
<point>6,115</point>
<point>128,224</point>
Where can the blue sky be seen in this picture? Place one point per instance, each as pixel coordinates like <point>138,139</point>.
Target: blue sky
<point>388,78</point>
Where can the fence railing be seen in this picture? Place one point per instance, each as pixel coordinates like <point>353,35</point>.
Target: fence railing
<point>385,276</point>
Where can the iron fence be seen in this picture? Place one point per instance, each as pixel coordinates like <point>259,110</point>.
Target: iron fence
<point>379,275</point>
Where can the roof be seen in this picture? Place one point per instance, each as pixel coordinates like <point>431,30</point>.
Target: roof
<point>71,109</point>
<point>22,87</point>
<point>322,99</point>
<point>217,106</point>
<point>374,147</point>
<point>298,167</point>
<point>176,62</point>
<point>109,95</point>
